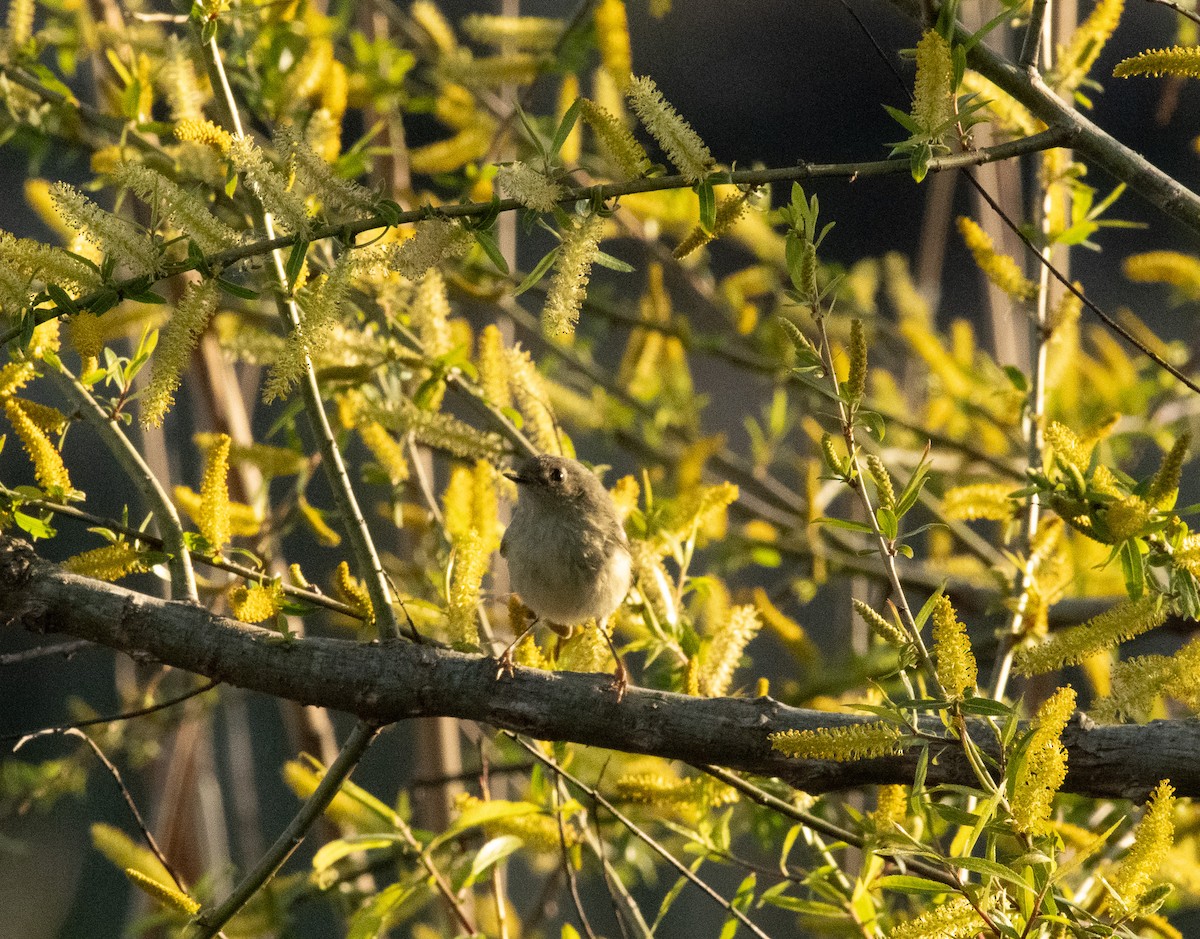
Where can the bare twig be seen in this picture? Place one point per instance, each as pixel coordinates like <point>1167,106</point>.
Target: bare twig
<point>65,649</point>
<point>645,837</point>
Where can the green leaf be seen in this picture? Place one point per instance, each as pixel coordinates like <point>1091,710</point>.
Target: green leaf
<point>487,241</point>
<point>32,525</point>
<point>489,855</point>
<point>565,126</point>
<point>906,883</point>
<point>483,814</point>
<point>672,894</point>
<point>329,854</point>
<point>613,264</point>
<point>845,524</point>
<point>243,293</point>
<point>61,299</point>
<point>708,205</point>
<point>741,902</point>
<point>295,262</point>
<point>538,272</point>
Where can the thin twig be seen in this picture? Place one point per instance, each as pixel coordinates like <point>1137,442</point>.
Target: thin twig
<point>209,921</point>
<point>568,868</point>
<point>600,193</point>
<point>646,839</point>
<point>65,649</point>
<point>1181,10</point>
<point>125,793</point>
<point>361,543</point>
<point>816,823</point>
<point>119,716</point>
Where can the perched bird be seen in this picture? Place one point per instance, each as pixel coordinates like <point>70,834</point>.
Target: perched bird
<point>568,557</point>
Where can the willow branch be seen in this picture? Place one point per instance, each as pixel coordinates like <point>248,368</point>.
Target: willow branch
<point>392,680</point>
<point>601,193</point>
<point>359,536</point>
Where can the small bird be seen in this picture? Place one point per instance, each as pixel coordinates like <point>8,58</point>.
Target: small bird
<point>568,557</point>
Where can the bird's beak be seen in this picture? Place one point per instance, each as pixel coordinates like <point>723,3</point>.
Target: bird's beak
<point>516,478</point>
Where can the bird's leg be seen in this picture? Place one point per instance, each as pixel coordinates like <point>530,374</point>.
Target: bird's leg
<point>506,657</point>
<point>621,676</point>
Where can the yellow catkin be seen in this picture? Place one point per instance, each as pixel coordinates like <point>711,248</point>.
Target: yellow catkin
<point>572,269</point>
<point>256,602</point>
<point>471,562</point>
<point>1152,840</point>
<point>887,631</point>
<point>244,520</point>
<point>999,268</point>
<point>854,742</point>
<point>174,350</point>
<point>980,500</point>
<point>109,562</point>
<point>729,210</point>
<point>933,93</point>
<point>1045,767</point>
<point>1181,271</point>
<point>1070,646</point>
<point>351,591</point>
<point>615,141</point>
<point>891,807</point>
<point>955,919</point>
<point>214,494</point>
<point>529,391</point>
<point>165,894</point>
<point>493,369</point>
<point>956,668</point>
<point>724,653</point>
<point>679,142</point>
<point>48,464</point>
<point>529,187</point>
<point>612,36</point>
<point>387,450</point>
<point>1178,60</point>
<point>1076,58</point>
<point>191,130</point>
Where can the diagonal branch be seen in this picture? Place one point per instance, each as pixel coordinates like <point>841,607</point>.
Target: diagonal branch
<point>392,680</point>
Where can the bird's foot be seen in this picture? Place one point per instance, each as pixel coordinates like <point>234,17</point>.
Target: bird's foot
<point>505,666</point>
<point>620,680</point>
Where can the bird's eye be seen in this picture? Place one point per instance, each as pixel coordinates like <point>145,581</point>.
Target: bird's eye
<point>556,475</point>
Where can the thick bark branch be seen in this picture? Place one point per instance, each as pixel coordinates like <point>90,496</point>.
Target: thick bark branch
<point>392,680</point>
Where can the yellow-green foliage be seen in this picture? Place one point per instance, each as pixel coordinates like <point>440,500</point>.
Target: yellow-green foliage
<point>1181,271</point>
<point>1045,766</point>
<point>854,742</point>
<point>244,520</point>
<point>956,669</point>
<point>980,500</point>
<point>612,36</point>
<point>1070,646</point>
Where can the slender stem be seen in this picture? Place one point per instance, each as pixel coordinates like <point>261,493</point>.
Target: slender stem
<point>602,193</point>
<point>208,922</point>
<point>361,543</point>
<point>650,842</point>
<point>816,823</point>
<point>65,649</point>
<point>183,578</point>
<point>1033,34</point>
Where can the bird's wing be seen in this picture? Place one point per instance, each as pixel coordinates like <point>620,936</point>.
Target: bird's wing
<point>504,544</point>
